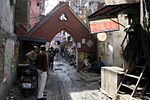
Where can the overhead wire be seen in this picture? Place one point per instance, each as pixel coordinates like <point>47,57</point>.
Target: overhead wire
<point>34,13</point>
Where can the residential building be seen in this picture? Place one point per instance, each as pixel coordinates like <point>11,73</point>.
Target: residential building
<point>115,38</point>
<point>22,13</point>
<point>29,12</point>
<point>123,49</point>
<point>8,47</point>
<point>37,11</point>
<point>83,8</point>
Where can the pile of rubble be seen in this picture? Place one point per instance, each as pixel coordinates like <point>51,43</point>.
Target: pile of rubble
<point>14,93</point>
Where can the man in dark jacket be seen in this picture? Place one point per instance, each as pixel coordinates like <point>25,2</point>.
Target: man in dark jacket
<point>51,54</point>
<point>42,65</point>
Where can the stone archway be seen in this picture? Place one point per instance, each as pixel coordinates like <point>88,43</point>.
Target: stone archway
<point>60,18</point>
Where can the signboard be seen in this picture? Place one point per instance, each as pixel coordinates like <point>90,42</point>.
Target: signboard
<point>78,45</point>
<point>57,38</point>
<point>104,25</point>
<point>90,43</point>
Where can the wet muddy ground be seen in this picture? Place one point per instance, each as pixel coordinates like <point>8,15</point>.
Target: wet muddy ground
<point>65,83</point>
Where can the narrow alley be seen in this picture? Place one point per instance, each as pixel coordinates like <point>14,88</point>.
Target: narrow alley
<point>64,83</point>
<point>74,49</point>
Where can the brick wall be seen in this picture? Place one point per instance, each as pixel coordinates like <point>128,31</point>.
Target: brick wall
<point>52,25</point>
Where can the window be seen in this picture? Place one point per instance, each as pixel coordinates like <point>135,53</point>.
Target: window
<point>38,4</point>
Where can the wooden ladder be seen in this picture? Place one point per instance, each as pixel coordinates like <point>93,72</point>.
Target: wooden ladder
<point>134,87</point>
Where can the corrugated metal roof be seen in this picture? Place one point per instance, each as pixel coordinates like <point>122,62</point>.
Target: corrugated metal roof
<point>112,10</point>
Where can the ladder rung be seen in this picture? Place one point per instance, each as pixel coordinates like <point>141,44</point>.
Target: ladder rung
<point>140,88</point>
<point>132,87</point>
<point>140,67</point>
<point>129,86</point>
<point>133,76</point>
<point>142,56</point>
<point>144,78</point>
<point>120,92</point>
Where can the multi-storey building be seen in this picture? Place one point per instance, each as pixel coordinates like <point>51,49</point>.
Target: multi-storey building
<point>29,12</point>
<point>83,8</point>
<point>37,11</point>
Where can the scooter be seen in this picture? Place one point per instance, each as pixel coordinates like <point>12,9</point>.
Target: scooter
<point>28,81</point>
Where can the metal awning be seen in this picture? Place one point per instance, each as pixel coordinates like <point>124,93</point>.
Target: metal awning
<point>111,11</point>
<point>26,38</point>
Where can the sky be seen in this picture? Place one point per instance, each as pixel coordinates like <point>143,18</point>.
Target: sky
<point>50,4</point>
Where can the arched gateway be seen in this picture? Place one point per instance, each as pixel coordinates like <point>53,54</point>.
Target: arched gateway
<point>61,18</point>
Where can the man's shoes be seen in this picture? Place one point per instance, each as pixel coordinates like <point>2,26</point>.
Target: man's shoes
<point>44,94</point>
<point>41,99</point>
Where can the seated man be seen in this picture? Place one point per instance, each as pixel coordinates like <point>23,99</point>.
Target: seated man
<point>86,65</point>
